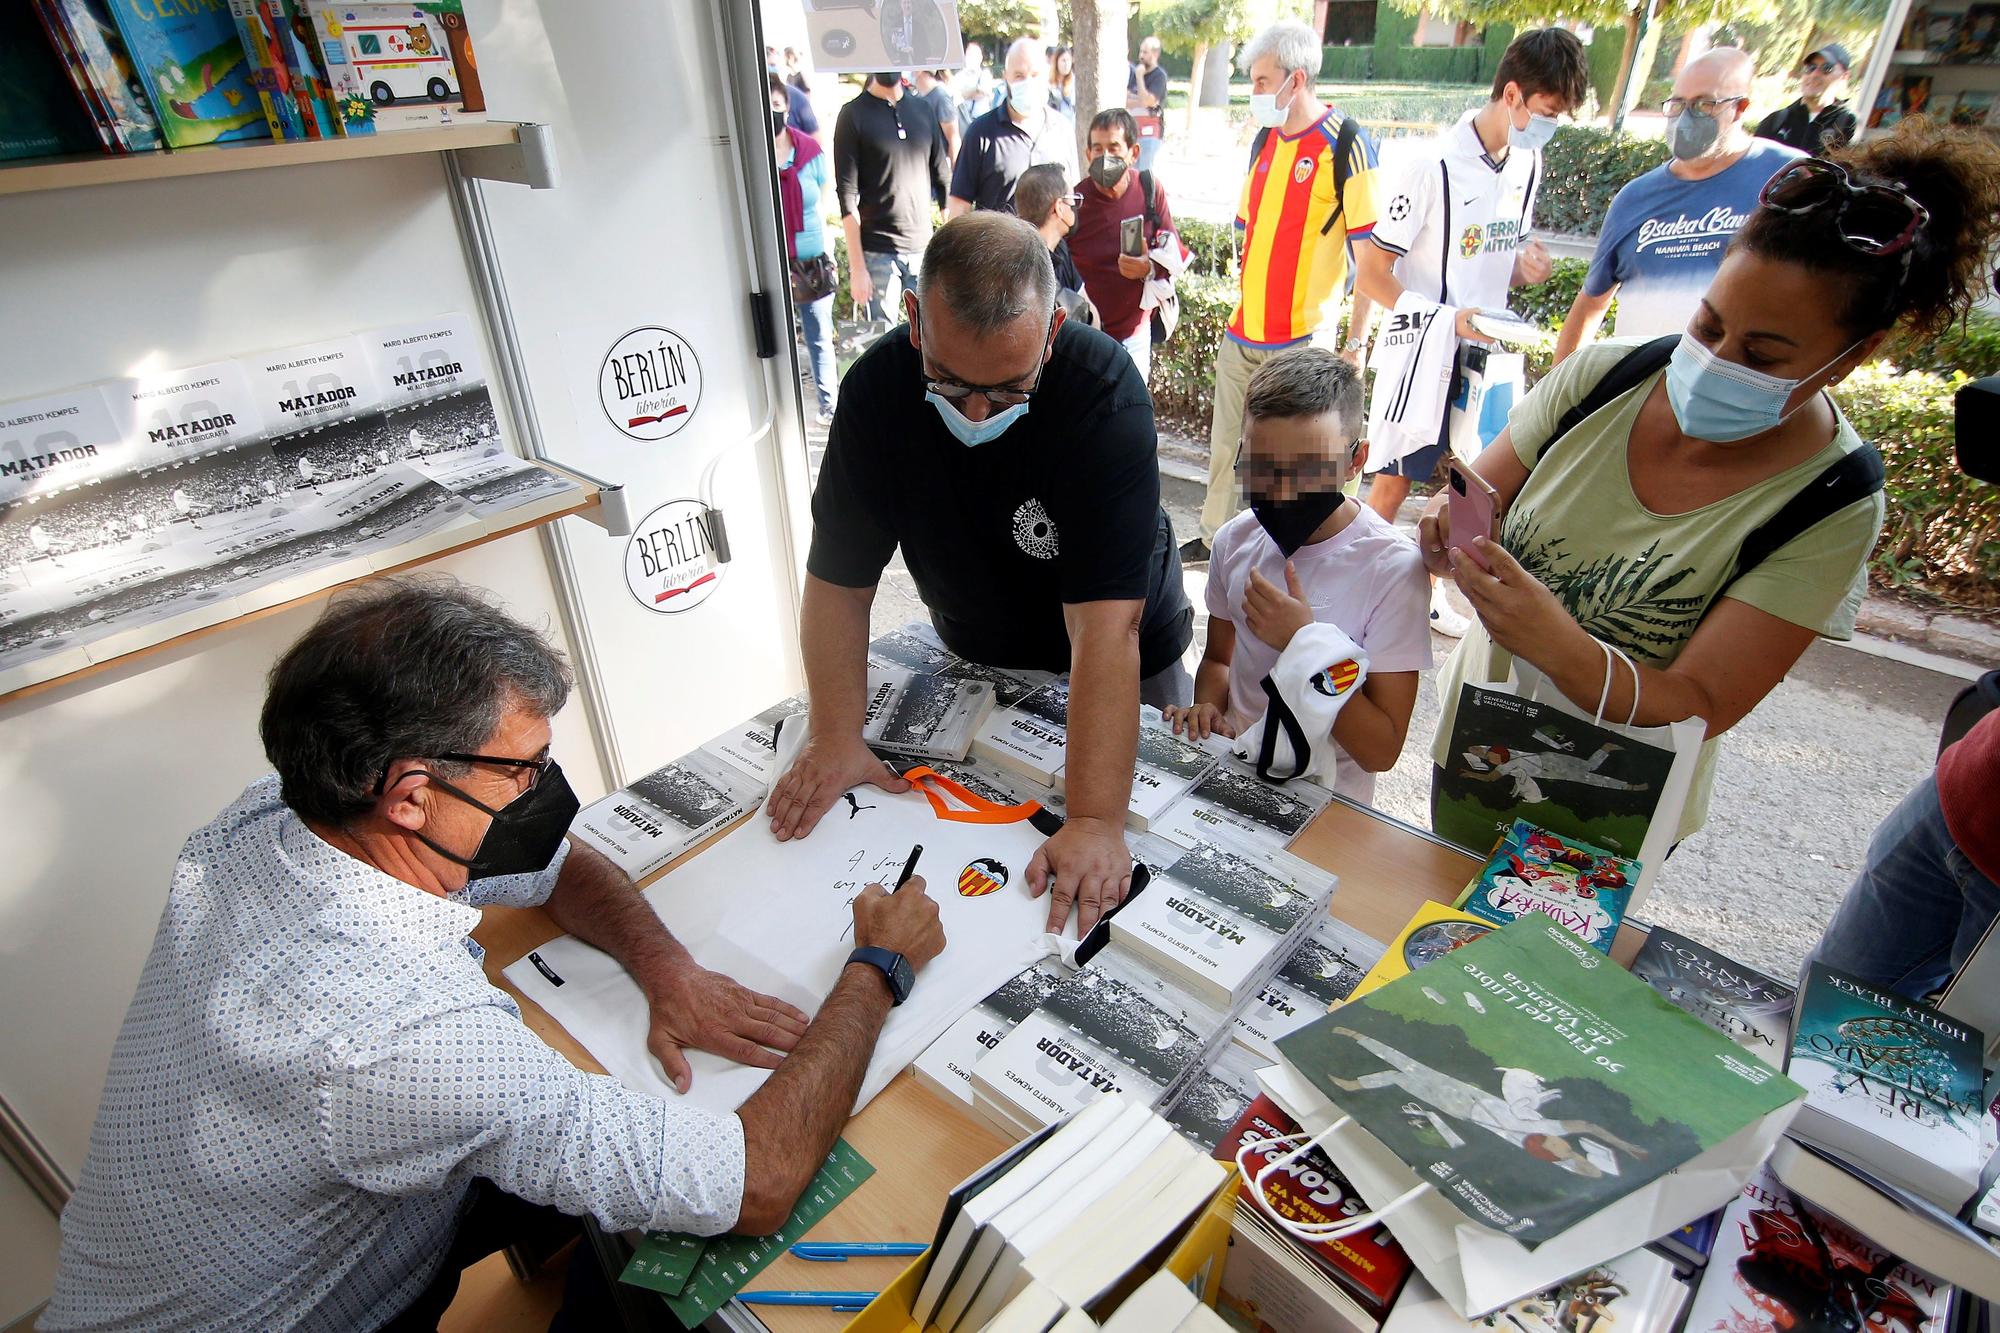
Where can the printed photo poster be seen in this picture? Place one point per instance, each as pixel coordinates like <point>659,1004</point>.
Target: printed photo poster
<point>1512,757</point>
<point>297,388</point>
<point>862,36</point>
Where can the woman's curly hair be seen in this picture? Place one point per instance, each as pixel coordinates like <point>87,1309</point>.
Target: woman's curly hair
<point>1955,173</point>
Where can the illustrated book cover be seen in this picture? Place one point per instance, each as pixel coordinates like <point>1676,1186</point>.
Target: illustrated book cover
<point>1582,888</point>
<point>194,70</point>
<point>1433,931</point>
<point>1741,1003</point>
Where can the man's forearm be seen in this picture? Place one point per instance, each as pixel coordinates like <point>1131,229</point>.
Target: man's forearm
<point>1103,726</point>
<point>790,1123</point>
<point>956,207</point>
<point>1375,276</point>
<point>596,902</point>
<point>833,625</point>
<point>1360,315</point>
<point>1580,325</point>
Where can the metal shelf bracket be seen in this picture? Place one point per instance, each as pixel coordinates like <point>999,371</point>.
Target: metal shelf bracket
<point>531,162</point>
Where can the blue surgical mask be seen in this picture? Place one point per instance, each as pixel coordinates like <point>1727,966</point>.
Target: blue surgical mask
<point>971,433</point>
<point>1539,131</point>
<point>1029,95</point>
<point>1264,109</point>
<point>1691,134</point>
<point>1722,401</point>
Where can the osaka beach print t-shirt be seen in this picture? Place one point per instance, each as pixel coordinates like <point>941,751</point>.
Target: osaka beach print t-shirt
<point>1663,238</point>
<point>1642,580</point>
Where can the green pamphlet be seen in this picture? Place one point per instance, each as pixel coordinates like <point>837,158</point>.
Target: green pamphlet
<point>1533,1081</point>
<point>697,1276</point>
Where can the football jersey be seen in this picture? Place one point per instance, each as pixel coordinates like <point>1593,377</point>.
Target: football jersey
<point>1457,217</point>
<point>1294,265</point>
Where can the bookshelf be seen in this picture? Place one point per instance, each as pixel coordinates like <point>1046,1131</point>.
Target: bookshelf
<point>1942,60</point>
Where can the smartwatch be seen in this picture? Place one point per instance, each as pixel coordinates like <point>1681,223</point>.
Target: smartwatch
<point>895,970</point>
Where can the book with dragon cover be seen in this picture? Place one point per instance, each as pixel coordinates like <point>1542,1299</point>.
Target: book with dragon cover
<point>194,69</point>
<point>1741,1003</point>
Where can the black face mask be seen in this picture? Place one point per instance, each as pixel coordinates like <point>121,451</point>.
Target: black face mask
<point>777,123</point>
<point>1291,522</point>
<point>888,80</point>
<point>1107,171</point>
<point>525,834</point>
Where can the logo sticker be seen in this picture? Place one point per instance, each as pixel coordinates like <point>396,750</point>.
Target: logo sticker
<point>649,383</point>
<point>981,877</point>
<point>1303,171</point>
<point>670,563</point>
<point>1468,243</point>
<point>1337,679</point>
<point>1399,208</point>
<point>1035,531</point>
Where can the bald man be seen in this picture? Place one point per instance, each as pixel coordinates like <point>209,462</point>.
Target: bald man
<point>1025,130</point>
<point>1663,238</point>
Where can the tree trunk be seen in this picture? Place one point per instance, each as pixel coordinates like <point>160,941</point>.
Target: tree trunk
<point>1195,67</point>
<point>1098,27</point>
<point>1614,106</point>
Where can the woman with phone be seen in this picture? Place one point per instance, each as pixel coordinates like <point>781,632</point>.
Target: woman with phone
<point>1654,523</point>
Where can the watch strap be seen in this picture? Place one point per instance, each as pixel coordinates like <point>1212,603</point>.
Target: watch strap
<point>885,960</point>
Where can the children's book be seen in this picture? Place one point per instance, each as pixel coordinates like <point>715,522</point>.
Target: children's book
<point>306,61</point>
<point>114,79</point>
<point>1941,32</point>
<point>267,71</point>
<point>1434,931</point>
<point>1891,1084</point>
<point>1781,1264</point>
<point>1534,871</point>
<point>1972,108</point>
<point>1634,1293</point>
<point>194,70</point>
<point>1915,24</point>
<point>1233,799</point>
<point>1742,1004</point>
<point>1324,968</point>
<point>41,113</point>
<point>399,57</point>
<point>1978,35</point>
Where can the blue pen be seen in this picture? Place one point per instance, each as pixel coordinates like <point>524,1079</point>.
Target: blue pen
<point>837,1251</point>
<point>838,1300</point>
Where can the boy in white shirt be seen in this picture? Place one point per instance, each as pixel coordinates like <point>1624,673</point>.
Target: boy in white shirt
<point>1304,553</point>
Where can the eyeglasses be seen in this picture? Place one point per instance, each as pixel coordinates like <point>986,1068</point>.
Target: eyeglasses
<point>998,395</point>
<point>1873,219</point>
<point>1074,199</point>
<point>1707,106</point>
<point>539,765</point>
<point>1816,66</point>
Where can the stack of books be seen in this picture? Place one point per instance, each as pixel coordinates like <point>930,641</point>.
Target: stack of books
<point>925,717</point>
<point>645,824</point>
<point>1233,800</point>
<point>1028,737</point>
<point>1061,1221</point>
<point>1324,968</point>
<point>752,745</point>
<point>945,1067</point>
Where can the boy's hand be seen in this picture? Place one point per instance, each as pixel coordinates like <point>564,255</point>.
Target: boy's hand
<point>1199,721</point>
<point>1272,614</point>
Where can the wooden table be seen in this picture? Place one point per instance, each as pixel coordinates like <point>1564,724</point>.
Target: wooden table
<point>922,1145</point>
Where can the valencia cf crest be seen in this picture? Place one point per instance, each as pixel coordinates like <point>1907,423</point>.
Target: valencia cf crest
<point>1303,171</point>
<point>1337,679</point>
<point>981,877</point>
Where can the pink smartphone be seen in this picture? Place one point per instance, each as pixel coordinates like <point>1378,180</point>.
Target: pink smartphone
<point>1472,503</point>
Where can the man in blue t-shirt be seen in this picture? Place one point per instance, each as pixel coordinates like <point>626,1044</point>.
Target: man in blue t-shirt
<point>1664,235</point>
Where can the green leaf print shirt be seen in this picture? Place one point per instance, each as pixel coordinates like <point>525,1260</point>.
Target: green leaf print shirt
<point>1642,580</point>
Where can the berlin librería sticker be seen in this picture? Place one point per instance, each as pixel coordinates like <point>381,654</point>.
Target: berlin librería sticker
<point>649,383</point>
<point>670,561</point>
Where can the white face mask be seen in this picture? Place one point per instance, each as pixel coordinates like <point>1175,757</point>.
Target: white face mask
<point>1028,96</point>
<point>1724,402</point>
<point>1264,108</point>
<point>1539,131</point>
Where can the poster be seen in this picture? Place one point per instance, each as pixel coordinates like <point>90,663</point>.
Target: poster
<point>862,36</point>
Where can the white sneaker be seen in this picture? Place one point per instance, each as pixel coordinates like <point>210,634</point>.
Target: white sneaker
<point>1447,619</point>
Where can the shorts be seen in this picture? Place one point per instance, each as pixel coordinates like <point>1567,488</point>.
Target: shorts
<point>1423,463</point>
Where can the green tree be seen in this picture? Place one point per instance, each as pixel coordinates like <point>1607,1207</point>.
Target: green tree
<point>999,20</point>
<point>1195,27</point>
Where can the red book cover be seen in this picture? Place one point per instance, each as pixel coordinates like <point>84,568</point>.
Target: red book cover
<point>1369,1263</point>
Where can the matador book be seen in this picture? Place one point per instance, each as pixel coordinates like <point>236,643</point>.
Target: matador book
<point>1742,1004</point>
<point>1781,1265</point>
<point>1532,1081</point>
<point>1324,968</point>
<point>1891,1084</point>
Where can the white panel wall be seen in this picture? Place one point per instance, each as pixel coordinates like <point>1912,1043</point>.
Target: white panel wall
<point>102,780</point>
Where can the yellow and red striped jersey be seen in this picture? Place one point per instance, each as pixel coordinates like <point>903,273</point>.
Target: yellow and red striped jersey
<point>1294,266</point>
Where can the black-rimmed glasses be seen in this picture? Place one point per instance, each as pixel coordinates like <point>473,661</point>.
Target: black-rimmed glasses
<point>1707,106</point>
<point>539,765</point>
<point>1874,219</point>
<point>998,395</point>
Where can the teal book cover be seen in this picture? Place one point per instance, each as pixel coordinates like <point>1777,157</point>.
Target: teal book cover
<point>1533,871</point>
<point>40,114</point>
<point>1533,1081</point>
<point>189,57</point>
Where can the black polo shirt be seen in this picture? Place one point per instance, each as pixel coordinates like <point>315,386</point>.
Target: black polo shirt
<point>1798,128</point>
<point>994,151</point>
<point>889,166</point>
<point>1063,507</point>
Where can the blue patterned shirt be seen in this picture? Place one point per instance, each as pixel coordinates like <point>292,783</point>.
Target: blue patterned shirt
<point>312,1073</point>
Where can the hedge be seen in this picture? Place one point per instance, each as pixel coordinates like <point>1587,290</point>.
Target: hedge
<point>1582,169</point>
<point>1347,64</point>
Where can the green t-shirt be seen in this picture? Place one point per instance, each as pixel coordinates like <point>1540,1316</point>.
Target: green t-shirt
<point>1642,580</point>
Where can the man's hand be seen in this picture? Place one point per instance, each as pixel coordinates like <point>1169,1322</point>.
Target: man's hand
<point>1354,356</point>
<point>1134,267</point>
<point>1463,327</point>
<point>904,922</point>
<point>1273,614</point>
<point>1532,265</point>
<point>696,1009</point>
<point>1199,721</point>
<point>859,285</point>
<point>823,770</point>
<point>1087,863</point>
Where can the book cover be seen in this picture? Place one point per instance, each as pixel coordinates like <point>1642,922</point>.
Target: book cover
<point>41,114</point>
<point>1211,1104</point>
<point>1233,799</point>
<point>1978,34</point>
<point>1324,968</point>
<point>56,26</point>
<point>1781,1265</point>
<point>1533,1081</point>
<point>1582,888</point>
<point>1028,739</point>
<point>1111,1027</point>
<point>1941,32</point>
<point>1311,1191</point>
<point>114,80</point>
<point>945,1067</point>
<point>1634,1293</point>
<point>1972,107</point>
<point>1915,24</point>
<point>653,820</point>
<point>194,69</point>
<point>1741,1003</point>
<point>1890,1082</point>
<point>399,58</point>
<point>915,648</point>
<point>752,745</point>
<point>1164,770</point>
<point>1692,1243</point>
<point>339,113</point>
<point>1431,933</point>
<point>930,716</point>
<point>267,71</point>
<point>1220,921</point>
<point>1009,687</point>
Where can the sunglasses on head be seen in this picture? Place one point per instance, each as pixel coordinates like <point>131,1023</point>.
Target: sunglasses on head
<point>1873,219</point>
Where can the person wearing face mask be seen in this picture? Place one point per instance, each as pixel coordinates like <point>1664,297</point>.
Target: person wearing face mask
<point>889,166</point>
<point>1820,120</point>
<point>319,1110</point>
<point>804,181</point>
<point>1453,240</point>
<point>1026,128</point>
<point>1112,191</point>
<point>1309,198</point>
<point>1665,232</point>
<point>1306,553</point>
<point>1011,456</point>
<point>1046,203</point>
<point>1710,511</point>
